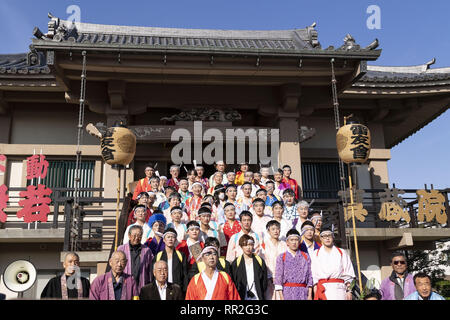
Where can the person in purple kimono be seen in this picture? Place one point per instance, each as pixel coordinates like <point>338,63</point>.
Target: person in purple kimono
<point>400,283</point>
<point>293,278</point>
<point>114,285</point>
<point>139,257</point>
<point>157,224</point>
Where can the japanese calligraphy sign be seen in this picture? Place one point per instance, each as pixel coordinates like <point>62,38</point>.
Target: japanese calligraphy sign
<point>358,210</point>
<point>35,205</point>
<point>353,143</point>
<point>431,205</point>
<point>392,206</point>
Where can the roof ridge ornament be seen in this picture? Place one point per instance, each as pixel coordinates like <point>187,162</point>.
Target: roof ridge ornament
<point>349,43</point>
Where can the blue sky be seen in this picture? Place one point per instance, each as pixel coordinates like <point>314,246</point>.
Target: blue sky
<point>412,32</point>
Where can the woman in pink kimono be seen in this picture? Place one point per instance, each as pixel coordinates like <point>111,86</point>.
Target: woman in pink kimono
<point>114,285</point>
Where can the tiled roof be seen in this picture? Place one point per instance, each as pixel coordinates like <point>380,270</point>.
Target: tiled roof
<point>33,63</point>
<point>63,34</point>
<point>415,76</point>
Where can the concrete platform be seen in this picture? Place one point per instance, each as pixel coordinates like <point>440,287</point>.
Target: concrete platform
<point>32,235</point>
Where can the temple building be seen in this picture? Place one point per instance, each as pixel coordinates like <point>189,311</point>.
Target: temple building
<point>157,80</point>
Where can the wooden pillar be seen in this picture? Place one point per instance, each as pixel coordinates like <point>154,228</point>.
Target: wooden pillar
<point>289,153</point>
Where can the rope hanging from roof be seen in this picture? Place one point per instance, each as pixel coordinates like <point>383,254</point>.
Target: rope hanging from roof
<point>76,205</point>
<point>342,177</point>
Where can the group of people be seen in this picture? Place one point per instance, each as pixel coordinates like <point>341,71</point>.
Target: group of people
<point>234,236</point>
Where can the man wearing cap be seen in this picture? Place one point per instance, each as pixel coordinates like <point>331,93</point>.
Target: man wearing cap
<point>308,244</point>
<point>192,246</point>
<point>332,269</point>
<point>176,260</point>
<point>293,277</point>
<point>211,284</point>
<point>240,174</point>
<point>207,231</point>
<point>249,271</point>
<point>116,284</point>
<point>139,257</point>
<point>176,214</point>
<point>139,215</point>
<point>70,285</point>
<point>143,184</point>
<point>234,250</point>
<point>157,224</point>
<point>174,173</point>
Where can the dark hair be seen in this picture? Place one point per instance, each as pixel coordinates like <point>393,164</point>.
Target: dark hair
<point>292,231</point>
<point>191,171</point>
<point>278,203</point>
<point>143,194</point>
<point>287,166</point>
<point>289,191</point>
<point>244,239</point>
<point>273,223</point>
<point>192,223</point>
<point>203,209</point>
<point>421,275</point>
<point>307,223</point>
<point>245,213</point>
<point>261,190</point>
<point>270,181</point>
<point>212,241</point>
<point>171,230</point>
<point>374,293</point>
<point>397,254</point>
<point>171,188</point>
<point>258,200</point>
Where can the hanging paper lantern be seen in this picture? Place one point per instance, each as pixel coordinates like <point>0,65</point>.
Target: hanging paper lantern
<point>353,143</point>
<point>118,145</point>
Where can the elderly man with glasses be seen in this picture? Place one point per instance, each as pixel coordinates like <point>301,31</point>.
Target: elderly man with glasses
<point>400,283</point>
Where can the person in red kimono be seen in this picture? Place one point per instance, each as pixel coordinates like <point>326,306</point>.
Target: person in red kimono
<point>173,181</point>
<point>143,184</point>
<point>192,246</point>
<point>211,284</point>
<point>287,171</point>
<point>231,225</point>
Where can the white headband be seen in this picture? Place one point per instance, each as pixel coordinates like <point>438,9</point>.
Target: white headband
<point>206,250</point>
<point>169,233</point>
<point>293,236</point>
<point>193,227</point>
<point>197,184</point>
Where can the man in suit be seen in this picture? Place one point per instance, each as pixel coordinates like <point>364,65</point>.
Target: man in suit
<point>160,289</point>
